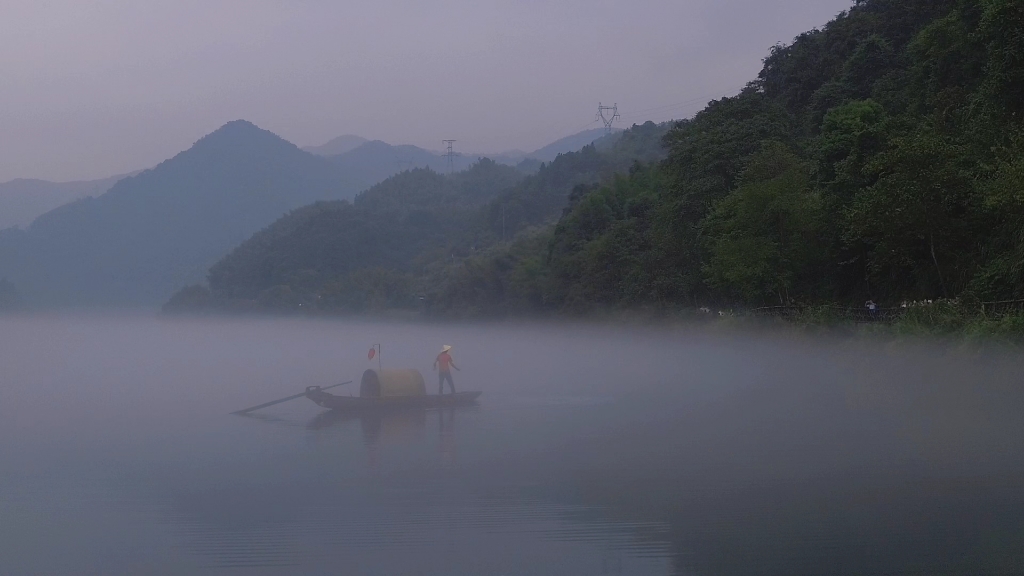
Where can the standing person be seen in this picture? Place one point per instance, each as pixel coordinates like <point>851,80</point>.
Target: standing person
<point>441,364</point>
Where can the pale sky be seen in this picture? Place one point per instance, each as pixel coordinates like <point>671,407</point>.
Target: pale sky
<point>89,89</point>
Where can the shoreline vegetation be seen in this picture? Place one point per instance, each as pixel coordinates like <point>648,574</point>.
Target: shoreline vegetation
<point>988,322</point>
<point>878,159</point>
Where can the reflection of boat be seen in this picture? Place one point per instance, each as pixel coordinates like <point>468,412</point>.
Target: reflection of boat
<point>396,427</point>
<point>376,425</point>
<point>384,390</point>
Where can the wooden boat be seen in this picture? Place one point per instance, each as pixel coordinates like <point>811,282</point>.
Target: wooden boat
<point>371,403</point>
<point>389,390</point>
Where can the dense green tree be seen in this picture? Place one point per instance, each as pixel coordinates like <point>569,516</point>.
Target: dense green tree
<point>1001,276</point>
<point>764,238</point>
<point>918,218</point>
<point>601,253</point>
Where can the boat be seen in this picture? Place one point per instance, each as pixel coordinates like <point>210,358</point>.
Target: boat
<point>361,404</point>
<point>381,390</point>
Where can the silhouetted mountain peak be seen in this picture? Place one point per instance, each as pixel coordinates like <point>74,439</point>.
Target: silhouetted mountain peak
<point>241,133</point>
<point>239,127</point>
<point>153,232</point>
<point>241,145</point>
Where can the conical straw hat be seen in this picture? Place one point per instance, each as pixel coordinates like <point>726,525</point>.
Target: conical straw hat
<point>445,348</point>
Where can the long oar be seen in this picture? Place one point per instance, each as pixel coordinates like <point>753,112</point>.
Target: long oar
<point>247,410</point>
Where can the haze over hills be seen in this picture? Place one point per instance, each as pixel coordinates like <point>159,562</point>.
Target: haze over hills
<point>336,146</point>
<point>568,144</point>
<point>408,156</point>
<point>367,162</point>
<point>22,200</point>
<point>153,232</point>
<point>374,161</point>
<point>156,231</point>
<point>401,243</point>
<point>400,224</point>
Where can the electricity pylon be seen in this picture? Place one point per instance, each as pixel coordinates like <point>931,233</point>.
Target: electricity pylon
<point>614,110</point>
<point>450,155</point>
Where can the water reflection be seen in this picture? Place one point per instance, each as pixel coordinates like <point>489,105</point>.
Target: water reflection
<point>446,433</point>
<point>382,428</point>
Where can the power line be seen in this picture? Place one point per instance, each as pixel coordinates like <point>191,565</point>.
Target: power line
<point>587,125</point>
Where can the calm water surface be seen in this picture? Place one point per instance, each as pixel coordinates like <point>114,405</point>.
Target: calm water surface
<point>593,451</point>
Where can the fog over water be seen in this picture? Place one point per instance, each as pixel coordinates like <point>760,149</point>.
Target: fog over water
<point>594,450</point>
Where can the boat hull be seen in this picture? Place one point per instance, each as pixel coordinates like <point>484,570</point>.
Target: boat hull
<point>361,404</point>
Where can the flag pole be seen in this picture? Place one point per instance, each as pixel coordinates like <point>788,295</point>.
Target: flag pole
<point>375,351</point>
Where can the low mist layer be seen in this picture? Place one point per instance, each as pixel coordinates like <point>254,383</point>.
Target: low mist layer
<point>654,451</point>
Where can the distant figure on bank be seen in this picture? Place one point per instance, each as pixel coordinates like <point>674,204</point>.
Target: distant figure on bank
<point>872,308</point>
<point>441,364</point>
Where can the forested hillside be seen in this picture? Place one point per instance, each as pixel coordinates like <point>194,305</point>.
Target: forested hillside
<point>368,246</point>
<point>568,144</point>
<point>392,247</point>
<point>879,157</point>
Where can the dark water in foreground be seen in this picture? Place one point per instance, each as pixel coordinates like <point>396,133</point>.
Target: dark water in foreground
<point>593,451</point>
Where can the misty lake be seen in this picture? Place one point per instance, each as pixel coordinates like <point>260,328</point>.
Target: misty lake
<point>593,450</point>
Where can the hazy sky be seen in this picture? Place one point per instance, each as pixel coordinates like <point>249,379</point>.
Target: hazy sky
<point>90,89</point>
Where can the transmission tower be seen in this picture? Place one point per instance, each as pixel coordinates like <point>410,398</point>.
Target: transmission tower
<point>613,116</point>
<point>450,155</point>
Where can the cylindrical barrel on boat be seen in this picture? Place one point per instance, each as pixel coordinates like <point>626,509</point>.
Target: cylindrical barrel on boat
<point>385,383</point>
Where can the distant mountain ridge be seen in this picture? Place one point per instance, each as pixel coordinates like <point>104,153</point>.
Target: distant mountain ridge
<point>161,229</point>
<point>400,243</point>
<point>573,143</point>
<point>336,146</point>
<point>367,162</point>
<point>406,156</point>
<point>154,232</point>
<point>22,200</point>
<point>375,161</point>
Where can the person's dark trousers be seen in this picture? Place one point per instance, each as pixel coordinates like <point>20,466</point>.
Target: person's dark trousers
<point>441,377</point>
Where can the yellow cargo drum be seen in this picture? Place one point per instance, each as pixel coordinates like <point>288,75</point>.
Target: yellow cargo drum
<point>391,383</point>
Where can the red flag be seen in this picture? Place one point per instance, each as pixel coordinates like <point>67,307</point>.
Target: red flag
<point>373,352</point>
